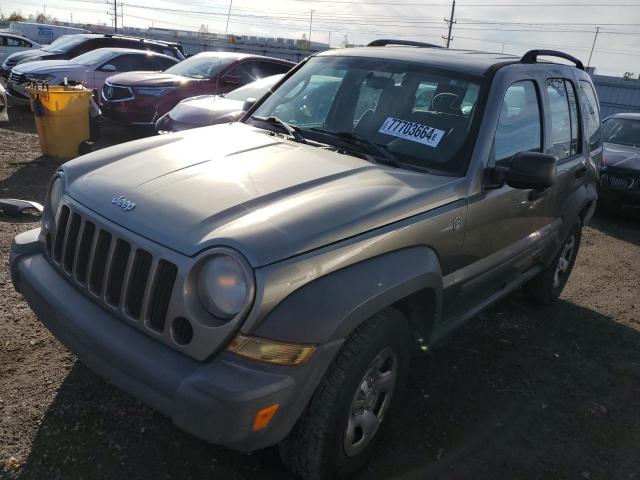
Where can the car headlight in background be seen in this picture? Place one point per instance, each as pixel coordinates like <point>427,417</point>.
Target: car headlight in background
<point>153,91</point>
<point>224,285</point>
<point>56,190</point>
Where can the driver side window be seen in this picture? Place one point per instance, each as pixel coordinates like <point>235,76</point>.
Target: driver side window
<point>519,127</point>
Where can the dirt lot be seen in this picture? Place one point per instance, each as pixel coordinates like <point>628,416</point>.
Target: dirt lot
<point>519,393</point>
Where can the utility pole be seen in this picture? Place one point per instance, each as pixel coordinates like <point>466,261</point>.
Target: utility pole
<point>122,15</point>
<point>593,46</point>
<point>310,25</point>
<point>451,21</point>
<point>115,15</point>
<point>228,16</point>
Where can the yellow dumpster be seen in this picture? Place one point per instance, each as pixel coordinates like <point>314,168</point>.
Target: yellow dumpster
<point>62,118</point>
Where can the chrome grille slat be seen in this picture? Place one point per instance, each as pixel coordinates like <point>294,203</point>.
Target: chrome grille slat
<point>71,242</point>
<point>139,284</point>
<point>127,279</point>
<point>118,273</point>
<point>618,182</point>
<point>107,269</point>
<point>151,280</point>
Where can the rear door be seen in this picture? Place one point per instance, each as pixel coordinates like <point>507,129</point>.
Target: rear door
<point>566,142</point>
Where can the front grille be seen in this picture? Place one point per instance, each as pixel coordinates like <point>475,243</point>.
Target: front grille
<point>618,182</point>
<point>114,271</point>
<point>18,78</point>
<point>115,93</point>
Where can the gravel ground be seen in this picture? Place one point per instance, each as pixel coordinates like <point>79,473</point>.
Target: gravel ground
<point>520,392</point>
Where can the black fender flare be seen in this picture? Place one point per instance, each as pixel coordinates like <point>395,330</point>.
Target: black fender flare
<point>332,306</point>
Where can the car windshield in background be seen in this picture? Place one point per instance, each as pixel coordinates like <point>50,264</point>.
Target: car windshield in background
<point>623,131</point>
<point>418,116</point>
<point>65,43</point>
<point>200,67</point>
<point>94,57</point>
<point>255,89</point>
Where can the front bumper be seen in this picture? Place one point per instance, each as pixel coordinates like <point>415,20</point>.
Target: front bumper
<point>215,400</point>
<point>622,199</point>
<point>18,93</point>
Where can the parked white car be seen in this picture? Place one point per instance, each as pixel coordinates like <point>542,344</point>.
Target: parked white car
<point>91,69</point>
<point>10,43</point>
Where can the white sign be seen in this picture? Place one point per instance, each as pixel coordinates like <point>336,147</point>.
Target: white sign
<point>414,132</point>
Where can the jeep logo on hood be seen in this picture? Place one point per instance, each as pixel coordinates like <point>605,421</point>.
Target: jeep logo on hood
<point>123,203</point>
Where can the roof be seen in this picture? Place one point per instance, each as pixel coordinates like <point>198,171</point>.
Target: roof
<point>468,61</point>
<point>239,56</point>
<point>135,51</point>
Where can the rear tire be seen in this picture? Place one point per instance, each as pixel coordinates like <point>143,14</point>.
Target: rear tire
<point>547,286</point>
<point>341,426</point>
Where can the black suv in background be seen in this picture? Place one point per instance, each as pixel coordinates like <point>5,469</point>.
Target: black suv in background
<point>70,46</point>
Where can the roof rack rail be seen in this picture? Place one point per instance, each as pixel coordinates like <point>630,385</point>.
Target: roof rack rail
<point>410,43</point>
<point>532,56</point>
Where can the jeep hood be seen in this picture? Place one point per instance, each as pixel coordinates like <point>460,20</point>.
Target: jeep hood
<point>621,156</point>
<point>238,186</point>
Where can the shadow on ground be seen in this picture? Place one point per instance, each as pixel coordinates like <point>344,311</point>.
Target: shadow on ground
<point>520,392</point>
<point>625,227</point>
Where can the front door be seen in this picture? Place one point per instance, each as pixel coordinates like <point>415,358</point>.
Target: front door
<point>505,225</point>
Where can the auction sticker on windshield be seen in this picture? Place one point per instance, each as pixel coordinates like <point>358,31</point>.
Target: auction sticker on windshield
<point>414,132</point>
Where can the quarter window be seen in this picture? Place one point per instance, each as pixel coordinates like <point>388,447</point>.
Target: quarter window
<point>519,128</point>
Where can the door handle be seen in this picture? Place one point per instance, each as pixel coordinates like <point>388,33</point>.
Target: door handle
<point>581,172</point>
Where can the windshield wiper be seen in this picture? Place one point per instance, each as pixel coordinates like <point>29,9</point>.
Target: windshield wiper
<point>382,155</point>
<point>290,129</point>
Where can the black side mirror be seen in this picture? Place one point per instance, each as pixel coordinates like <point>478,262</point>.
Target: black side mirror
<point>231,80</point>
<point>528,171</point>
<point>248,103</point>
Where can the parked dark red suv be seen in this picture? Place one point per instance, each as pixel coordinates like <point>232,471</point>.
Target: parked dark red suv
<point>140,98</point>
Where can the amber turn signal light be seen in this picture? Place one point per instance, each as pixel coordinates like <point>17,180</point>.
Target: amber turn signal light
<point>264,416</point>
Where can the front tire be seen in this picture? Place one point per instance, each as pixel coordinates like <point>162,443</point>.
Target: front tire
<point>339,430</point>
<point>547,286</point>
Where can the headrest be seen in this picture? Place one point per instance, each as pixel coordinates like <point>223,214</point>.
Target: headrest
<point>380,83</point>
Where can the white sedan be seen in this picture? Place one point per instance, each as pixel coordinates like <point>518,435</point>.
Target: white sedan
<point>91,69</point>
<point>11,43</point>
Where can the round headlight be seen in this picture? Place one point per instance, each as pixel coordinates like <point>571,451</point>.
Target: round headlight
<point>223,286</point>
<point>55,194</point>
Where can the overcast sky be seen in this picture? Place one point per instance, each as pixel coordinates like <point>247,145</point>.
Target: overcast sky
<point>515,26</point>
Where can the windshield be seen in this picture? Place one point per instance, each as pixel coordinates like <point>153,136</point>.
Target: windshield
<point>94,57</point>
<point>415,114</point>
<point>254,89</point>
<point>623,131</point>
<point>200,66</point>
<point>65,43</point>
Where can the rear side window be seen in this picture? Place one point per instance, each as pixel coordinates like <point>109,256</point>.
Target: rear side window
<point>160,63</point>
<point>273,68</point>
<point>574,117</point>
<point>127,62</point>
<point>591,111</point>
<point>519,127</point>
